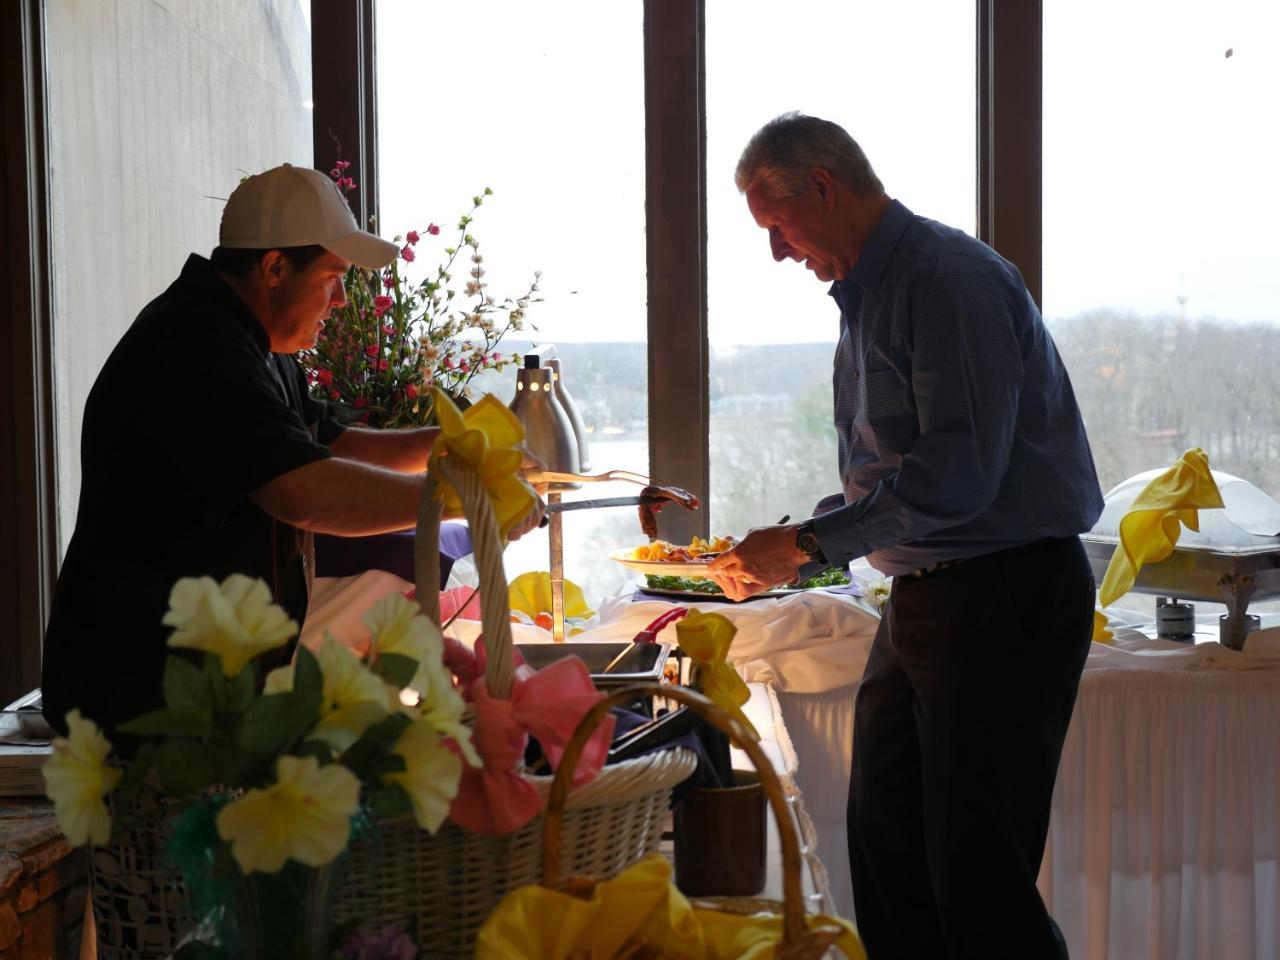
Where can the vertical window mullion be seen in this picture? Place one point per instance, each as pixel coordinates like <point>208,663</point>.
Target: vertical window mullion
<point>675,148</point>
<point>1009,134</point>
<point>344,115</point>
<point>28,491</point>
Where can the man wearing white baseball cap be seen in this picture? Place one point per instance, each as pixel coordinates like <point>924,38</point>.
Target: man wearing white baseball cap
<point>204,455</point>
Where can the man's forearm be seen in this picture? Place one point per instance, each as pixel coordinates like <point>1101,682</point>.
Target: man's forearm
<point>405,449</point>
<point>343,497</point>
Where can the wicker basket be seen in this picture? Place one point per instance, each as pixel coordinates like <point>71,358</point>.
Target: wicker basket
<point>444,886</point>
<point>799,941</point>
<point>140,903</point>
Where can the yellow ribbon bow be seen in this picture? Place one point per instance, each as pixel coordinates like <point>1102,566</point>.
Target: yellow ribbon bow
<point>531,593</point>
<point>706,637</point>
<point>487,436</point>
<point>1150,529</point>
<point>638,912</point>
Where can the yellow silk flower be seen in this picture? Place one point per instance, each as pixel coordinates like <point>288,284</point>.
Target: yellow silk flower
<point>235,620</point>
<point>305,816</point>
<point>76,778</point>
<point>397,625</point>
<point>706,637</point>
<point>531,593</point>
<point>638,908</point>
<point>487,436</point>
<point>1150,528</point>
<point>442,705</point>
<point>1101,632</point>
<point>431,776</point>
<point>353,698</point>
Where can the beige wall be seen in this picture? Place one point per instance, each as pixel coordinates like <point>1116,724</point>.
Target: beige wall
<point>157,108</point>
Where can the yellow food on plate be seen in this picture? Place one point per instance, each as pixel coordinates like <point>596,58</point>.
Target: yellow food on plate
<point>662,550</point>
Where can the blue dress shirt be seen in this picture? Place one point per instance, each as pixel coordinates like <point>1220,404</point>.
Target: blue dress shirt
<point>959,433</point>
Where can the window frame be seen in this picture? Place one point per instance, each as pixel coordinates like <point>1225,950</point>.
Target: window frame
<point>28,517</point>
<point>1008,55</point>
<point>1008,120</point>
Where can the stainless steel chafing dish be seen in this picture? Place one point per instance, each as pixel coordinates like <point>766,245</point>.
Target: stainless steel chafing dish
<point>1233,559</point>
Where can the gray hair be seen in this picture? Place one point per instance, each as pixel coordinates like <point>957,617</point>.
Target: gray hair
<point>786,150</point>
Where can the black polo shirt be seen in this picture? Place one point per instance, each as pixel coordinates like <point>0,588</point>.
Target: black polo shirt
<point>190,415</point>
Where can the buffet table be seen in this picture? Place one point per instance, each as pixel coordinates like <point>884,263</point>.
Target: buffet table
<point>1164,830</point>
<point>765,713</point>
<point>1163,839</point>
<point>1163,833</point>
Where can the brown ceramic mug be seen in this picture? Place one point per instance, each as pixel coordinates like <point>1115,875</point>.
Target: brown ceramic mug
<point>720,839</point>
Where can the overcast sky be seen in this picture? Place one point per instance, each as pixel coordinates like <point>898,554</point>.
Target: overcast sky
<point>1160,152</point>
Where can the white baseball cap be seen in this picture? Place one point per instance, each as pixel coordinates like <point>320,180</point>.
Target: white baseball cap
<point>290,206</point>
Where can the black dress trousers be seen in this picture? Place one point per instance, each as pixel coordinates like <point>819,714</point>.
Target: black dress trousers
<point>959,725</point>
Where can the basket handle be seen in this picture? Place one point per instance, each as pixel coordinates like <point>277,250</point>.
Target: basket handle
<point>794,929</point>
<point>487,545</point>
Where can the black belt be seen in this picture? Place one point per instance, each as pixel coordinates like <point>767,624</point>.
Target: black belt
<point>935,567</point>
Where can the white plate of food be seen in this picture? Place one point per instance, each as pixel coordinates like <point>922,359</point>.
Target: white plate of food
<point>666,559</point>
<point>668,568</point>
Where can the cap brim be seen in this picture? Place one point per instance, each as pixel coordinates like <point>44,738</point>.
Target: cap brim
<point>363,249</point>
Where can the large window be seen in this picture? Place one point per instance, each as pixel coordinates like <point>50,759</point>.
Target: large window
<point>1160,205</point>
<point>1160,200</point>
<point>900,78</point>
<point>143,143</point>
<point>548,112</point>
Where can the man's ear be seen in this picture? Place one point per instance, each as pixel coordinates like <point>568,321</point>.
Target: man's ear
<point>824,184</point>
<point>272,266</point>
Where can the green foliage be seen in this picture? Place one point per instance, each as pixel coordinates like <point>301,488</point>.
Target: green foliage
<point>376,741</point>
<point>184,684</point>
<point>171,721</point>
<point>396,668</point>
<point>184,768</point>
<point>389,801</point>
<point>272,723</point>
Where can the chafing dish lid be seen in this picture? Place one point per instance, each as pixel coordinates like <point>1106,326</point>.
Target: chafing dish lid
<point>1250,520</point>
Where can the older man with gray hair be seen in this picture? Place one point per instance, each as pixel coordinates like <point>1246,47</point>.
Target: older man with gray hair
<point>967,477</point>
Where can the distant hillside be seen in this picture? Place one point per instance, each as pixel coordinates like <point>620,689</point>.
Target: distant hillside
<point>608,380</point>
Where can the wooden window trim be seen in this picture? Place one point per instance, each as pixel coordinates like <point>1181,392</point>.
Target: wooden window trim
<point>676,243</point>
<point>28,493</point>
<point>1009,188</point>
<point>344,95</point>
<point>1010,176</point>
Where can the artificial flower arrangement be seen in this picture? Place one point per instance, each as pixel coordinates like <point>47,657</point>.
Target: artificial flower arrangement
<point>381,354</point>
<point>271,782</point>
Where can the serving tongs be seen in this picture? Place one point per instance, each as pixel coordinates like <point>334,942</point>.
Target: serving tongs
<point>552,476</point>
<point>632,501</point>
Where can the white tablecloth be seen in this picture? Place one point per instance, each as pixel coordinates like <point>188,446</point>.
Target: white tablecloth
<point>1163,834</point>
<point>1163,838</point>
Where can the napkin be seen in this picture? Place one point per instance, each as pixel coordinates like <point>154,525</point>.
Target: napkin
<point>1150,529</point>
<point>530,593</point>
<point>638,907</point>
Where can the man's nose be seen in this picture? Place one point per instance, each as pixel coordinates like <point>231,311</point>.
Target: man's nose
<point>778,246</point>
<point>339,299</point>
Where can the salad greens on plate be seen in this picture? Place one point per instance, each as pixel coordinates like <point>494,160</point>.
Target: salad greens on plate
<point>834,577</point>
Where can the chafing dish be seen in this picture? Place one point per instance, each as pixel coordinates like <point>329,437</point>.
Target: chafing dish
<point>1233,559</point>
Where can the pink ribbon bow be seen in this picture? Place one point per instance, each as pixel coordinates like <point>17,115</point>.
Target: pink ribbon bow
<point>549,704</point>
